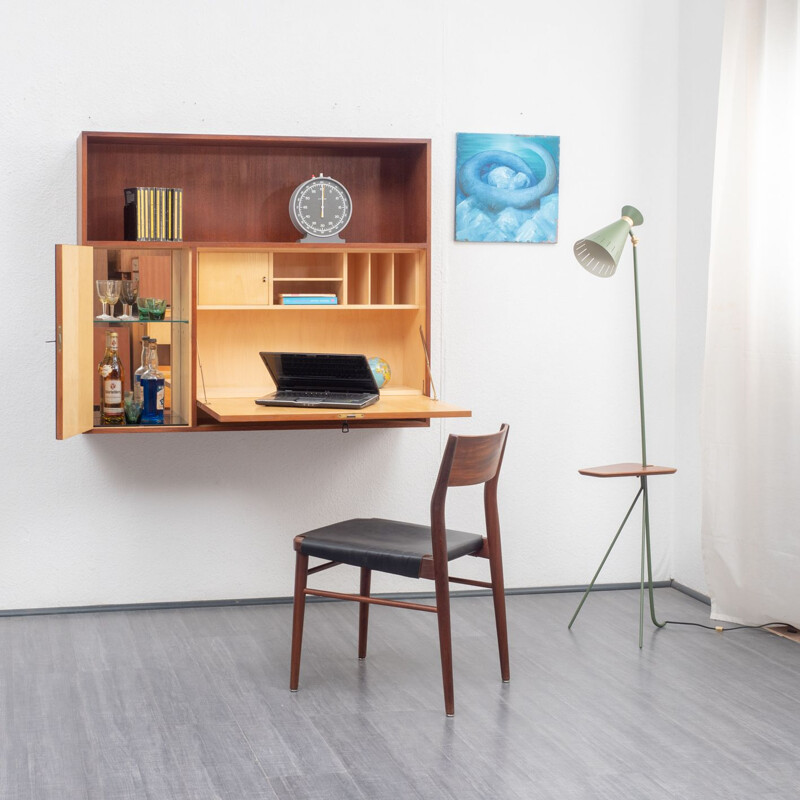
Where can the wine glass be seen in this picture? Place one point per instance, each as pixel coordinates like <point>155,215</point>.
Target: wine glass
<point>112,295</point>
<point>128,294</point>
<point>102,293</point>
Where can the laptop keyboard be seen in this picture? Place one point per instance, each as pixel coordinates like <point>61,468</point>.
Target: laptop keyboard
<point>329,366</point>
<point>290,395</point>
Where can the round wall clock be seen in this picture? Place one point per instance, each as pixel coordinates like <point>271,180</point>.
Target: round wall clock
<point>320,208</point>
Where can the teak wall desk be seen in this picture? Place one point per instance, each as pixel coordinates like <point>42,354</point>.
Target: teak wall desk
<point>239,255</point>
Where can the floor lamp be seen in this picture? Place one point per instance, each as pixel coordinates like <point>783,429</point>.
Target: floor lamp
<point>600,254</point>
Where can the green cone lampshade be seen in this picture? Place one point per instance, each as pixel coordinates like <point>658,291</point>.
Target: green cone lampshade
<point>600,252</point>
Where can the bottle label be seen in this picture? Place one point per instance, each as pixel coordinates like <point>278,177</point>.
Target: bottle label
<point>112,392</point>
<point>138,392</point>
<point>160,398</point>
<point>105,370</point>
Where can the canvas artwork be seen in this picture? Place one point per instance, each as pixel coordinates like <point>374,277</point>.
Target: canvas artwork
<point>506,188</point>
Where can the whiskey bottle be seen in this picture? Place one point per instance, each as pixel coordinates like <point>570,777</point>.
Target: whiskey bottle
<point>138,395</point>
<point>152,389</point>
<point>112,376</point>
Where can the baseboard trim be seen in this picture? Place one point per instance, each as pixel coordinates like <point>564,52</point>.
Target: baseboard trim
<point>703,598</point>
<point>268,601</point>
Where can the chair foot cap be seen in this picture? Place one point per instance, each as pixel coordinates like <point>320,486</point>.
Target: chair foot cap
<point>293,691</point>
<point>449,715</point>
<point>508,681</point>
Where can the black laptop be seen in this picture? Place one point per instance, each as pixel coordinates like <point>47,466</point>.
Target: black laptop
<point>320,380</point>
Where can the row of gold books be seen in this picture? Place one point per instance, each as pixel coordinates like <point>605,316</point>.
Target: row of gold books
<point>153,214</point>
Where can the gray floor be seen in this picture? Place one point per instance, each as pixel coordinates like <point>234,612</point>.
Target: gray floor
<point>194,704</point>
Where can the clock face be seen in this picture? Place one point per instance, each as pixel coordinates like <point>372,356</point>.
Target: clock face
<point>321,207</point>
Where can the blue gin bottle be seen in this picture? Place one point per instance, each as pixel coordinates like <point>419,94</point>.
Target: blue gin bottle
<point>138,395</point>
<point>152,389</point>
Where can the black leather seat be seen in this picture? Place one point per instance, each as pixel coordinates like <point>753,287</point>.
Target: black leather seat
<point>384,544</point>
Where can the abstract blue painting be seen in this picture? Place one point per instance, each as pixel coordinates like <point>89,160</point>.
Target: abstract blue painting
<point>506,188</point>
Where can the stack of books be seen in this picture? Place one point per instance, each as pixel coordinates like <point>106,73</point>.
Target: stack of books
<point>153,214</point>
<point>309,299</point>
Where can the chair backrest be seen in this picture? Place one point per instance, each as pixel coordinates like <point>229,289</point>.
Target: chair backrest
<point>469,460</point>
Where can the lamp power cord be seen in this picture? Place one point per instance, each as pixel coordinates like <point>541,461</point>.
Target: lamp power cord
<point>721,629</point>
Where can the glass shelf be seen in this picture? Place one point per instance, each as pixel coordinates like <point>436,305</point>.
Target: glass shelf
<point>115,321</point>
<point>170,419</point>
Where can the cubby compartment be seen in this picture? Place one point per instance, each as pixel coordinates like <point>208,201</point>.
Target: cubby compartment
<point>358,279</point>
<point>308,266</point>
<point>406,279</point>
<point>307,275</point>
<point>382,279</point>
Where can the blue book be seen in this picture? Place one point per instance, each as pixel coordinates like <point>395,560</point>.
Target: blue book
<point>309,300</point>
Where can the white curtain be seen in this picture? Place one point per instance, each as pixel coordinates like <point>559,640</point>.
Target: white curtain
<point>751,392</point>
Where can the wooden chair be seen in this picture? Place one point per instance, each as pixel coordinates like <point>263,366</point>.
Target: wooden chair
<point>419,551</point>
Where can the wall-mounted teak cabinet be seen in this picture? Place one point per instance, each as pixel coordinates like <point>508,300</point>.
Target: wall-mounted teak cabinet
<point>226,280</point>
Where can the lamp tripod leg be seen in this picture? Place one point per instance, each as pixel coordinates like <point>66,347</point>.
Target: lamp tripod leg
<point>608,552</point>
<point>642,560</point>
<point>646,514</point>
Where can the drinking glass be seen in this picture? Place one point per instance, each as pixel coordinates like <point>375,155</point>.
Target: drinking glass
<point>112,295</point>
<point>133,408</point>
<point>102,293</point>
<point>144,308</point>
<point>157,308</point>
<point>129,291</point>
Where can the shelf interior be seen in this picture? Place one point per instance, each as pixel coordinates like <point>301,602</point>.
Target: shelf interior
<point>237,189</point>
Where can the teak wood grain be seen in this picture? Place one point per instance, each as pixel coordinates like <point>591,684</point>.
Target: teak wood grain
<point>237,188</point>
<point>626,470</point>
<point>244,409</point>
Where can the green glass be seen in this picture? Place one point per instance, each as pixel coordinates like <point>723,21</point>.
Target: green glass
<point>133,408</point>
<point>157,308</point>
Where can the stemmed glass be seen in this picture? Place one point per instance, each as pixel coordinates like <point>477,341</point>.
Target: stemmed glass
<point>102,293</point>
<point>128,294</point>
<point>112,295</point>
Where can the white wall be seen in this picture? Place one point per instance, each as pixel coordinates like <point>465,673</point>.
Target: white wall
<point>105,519</point>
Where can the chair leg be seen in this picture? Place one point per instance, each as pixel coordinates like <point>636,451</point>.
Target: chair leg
<point>445,642</point>
<point>300,581</point>
<point>363,613</point>
<point>499,596</point>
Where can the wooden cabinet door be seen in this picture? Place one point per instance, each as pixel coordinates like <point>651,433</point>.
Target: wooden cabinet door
<point>74,340</point>
<point>233,279</point>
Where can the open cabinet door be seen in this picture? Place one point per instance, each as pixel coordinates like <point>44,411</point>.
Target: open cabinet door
<point>74,340</point>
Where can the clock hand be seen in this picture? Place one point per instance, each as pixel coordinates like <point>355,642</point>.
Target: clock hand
<point>322,209</point>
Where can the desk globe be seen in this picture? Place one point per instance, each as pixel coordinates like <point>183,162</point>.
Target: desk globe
<point>381,370</point>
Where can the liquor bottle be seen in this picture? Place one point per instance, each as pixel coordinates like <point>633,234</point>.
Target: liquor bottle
<point>152,389</point>
<point>112,376</point>
<point>137,376</point>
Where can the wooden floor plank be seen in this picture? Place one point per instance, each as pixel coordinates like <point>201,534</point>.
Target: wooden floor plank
<point>189,703</point>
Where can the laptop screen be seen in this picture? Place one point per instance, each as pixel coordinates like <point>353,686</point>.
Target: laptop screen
<point>320,372</point>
